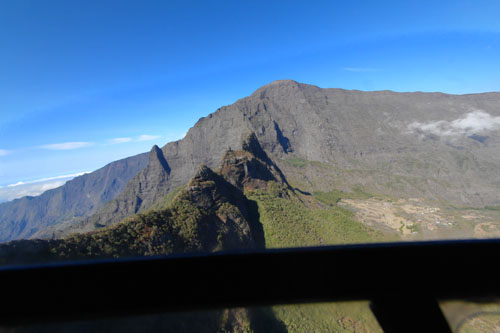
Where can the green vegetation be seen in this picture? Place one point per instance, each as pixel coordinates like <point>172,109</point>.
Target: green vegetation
<point>414,228</point>
<point>182,227</point>
<point>401,229</point>
<point>494,208</point>
<point>166,200</point>
<point>166,231</point>
<point>359,193</point>
<point>329,198</point>
<point>287,222</point>
<point>332,197</point>
<point>297,162</point>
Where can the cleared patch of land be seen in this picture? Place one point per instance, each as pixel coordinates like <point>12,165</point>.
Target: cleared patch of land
<point>417,219</point>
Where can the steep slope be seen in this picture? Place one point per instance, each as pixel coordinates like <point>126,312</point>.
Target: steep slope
<point>404,144</point>
<point>211,213</point>
<point>141,192</point>
<point>347,139</point>
<point>250,168</point>
<point>430,145</point>
<point>77,199</point>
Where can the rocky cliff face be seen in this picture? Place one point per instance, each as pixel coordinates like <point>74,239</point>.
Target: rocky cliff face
<point>250,168</point>
<point>430,145</point>
<point>77,199</point>
<point>209,214</point>
<point>141,192</point>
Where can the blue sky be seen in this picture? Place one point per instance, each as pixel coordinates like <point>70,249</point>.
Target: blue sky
<point>83,83</point>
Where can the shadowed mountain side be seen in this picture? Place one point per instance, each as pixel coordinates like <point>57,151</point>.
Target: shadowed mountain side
<point>77,199</point>
<point>209,215</point>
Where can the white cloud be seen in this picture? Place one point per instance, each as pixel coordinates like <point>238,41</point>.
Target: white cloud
<point>361,69</point>
<point>19,191</point>
<point>474,122</point>
<point>49,179</point>
<point>67,145</point>
<point>34,187</point>
<point>119,140</point>
<point>146,137</point>
<point>4,152</point>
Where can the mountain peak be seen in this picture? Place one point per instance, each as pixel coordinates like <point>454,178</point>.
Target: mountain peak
<point>157,159</point>
<point>204,173</point>
<point>280,84</point>
<point>283,82</point>
<point>249,168</point>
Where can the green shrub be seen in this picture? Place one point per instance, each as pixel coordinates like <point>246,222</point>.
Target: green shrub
<point>297,162</point>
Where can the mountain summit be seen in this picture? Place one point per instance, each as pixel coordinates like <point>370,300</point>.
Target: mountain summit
<point>250,167</point>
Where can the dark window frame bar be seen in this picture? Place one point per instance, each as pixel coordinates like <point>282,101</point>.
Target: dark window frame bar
<point>403,281</point>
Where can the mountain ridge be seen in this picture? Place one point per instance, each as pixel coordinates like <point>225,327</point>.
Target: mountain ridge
<point>350,138</point>
<point>78,198</point>
<point>210,214</point>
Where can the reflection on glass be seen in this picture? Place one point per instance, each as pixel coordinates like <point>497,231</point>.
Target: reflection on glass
<point>478,315</point>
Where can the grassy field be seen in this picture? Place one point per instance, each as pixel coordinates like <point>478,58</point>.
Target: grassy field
<point>288,222</point>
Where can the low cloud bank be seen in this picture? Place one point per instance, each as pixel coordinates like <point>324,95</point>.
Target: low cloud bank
<point>475,122</point>
<point>34,187</point>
